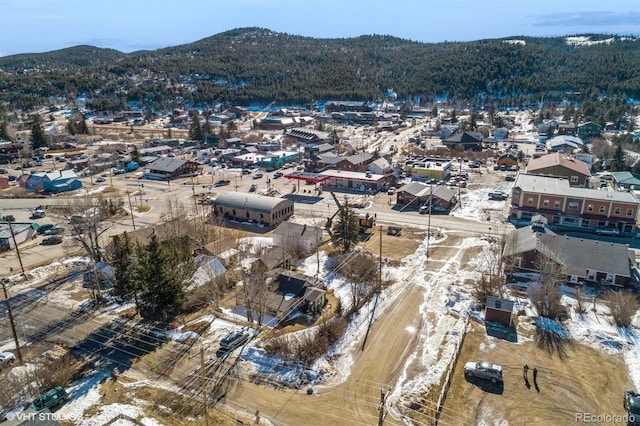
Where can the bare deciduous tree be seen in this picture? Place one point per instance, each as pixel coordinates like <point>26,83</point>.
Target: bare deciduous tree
<point>622,307</point>
<point>551,270</point>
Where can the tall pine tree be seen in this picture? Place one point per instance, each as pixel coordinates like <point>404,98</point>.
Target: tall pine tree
<point>37,132</point>
<point>346,230</point>
<point>125,263</point>
<point>164,295</point>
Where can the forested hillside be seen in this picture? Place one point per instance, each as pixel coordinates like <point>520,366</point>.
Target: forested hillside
<point>253,65</point>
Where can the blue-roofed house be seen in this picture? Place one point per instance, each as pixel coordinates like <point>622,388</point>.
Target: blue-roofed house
<point>56,181</point>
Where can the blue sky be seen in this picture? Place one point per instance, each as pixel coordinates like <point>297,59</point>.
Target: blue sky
<point>43,25</point>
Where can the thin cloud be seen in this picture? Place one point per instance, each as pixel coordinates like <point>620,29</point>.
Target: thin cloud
<point>587,19</point>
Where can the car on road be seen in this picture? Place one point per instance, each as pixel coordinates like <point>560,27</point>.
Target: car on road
<point>631,403</point>
<point>234,340</point>
<point>392,190</point>
<point>222,182</point>
<point>9,218</point>
<point>609,230</point>
<point>253,188</point>
<point>101,179</point>
<point>118,171</point>
<point>38,214</point>
<point>257,175</point>
<point>277,175</point>
<point>6,359</point>
<point>484,370</point>
<point>246,171</point>
<point>52,240</point>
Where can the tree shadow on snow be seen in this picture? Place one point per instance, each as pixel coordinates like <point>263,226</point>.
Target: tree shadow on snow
<point>553,343</point>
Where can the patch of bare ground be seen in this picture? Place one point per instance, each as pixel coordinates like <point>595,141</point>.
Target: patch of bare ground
<point>469,254</point>
<point>395,247</point>
<point>572,378</point>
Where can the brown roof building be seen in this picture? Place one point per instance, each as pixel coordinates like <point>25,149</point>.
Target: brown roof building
<point>557,165</point>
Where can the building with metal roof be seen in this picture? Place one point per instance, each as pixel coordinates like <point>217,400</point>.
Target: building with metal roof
<point>167,168</point>
<point>252,208</point>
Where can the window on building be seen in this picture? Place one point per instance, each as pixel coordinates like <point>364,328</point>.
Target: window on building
<point>556,204</point>
<point>573,205</point>
<point>530,201</point>
<point>617,210</point>
<point>574,179</point>
<point>545,203</point>
<point>590,207</point>
<point>602,209</point>
<point>629,212</point>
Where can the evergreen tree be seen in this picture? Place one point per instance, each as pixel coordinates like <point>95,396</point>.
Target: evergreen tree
<point>618,162</point>
<point>37,132</point>
<point>83,128</point>
<point>195,131</point>
<point>125,286</point>
<point>4,130</point>
<point>164,295</point>
<point>345,232</point>
<point>206,127</point>
<point>135,155</point>
<point>71,126</point>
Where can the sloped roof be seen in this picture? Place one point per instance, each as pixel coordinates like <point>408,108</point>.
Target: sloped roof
<point>250,201</point>
<point>625,178</point>
<point>291,229</point>
<point>557,159</point>
<point>464,137</point>
<point>418,189</point>
<point>577,254</point>
<point>167,164</point>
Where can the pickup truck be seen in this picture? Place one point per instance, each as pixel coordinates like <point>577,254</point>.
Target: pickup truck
<point>498,195</point>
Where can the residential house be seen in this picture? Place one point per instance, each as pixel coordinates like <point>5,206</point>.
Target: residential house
<point>168,168</point>
<point>296,237</point>
<point>418,194</point>
<point>561,204</point>
<point>589,130</point>
<point>564,143</point>
<point>501,133</point>
<point>581,260</point>
<point>509,160</point>
<point>381,166</point>
<point>566,129</point>
<point>557,165</point>
<point>626,180</point>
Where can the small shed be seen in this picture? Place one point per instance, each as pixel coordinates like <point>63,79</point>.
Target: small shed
<point>499,310</point>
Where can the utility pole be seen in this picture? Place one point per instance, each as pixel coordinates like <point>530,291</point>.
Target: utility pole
<point>133,222</point>
<point>375,303</point>
<point>15,244</point>
<point>429,221</point>
<point>382,413</point>
<point>10,314</point>
<point>204,387</point>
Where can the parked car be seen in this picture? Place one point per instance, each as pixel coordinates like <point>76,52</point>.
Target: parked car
<point>484,370</point>
<point>498,195</point>
<point>9,218</point>
<point>253,188</point>
<point>278,175</point>
<point>44,227</point>
<point>51,399</point>
<point>246,171</point>
<point>101,179</point>
<point>6,359</point>
<point>3,171</point>
<point>257,175</point>
<point>631,403</point>
<point>56,230</point>
<point>117,171</point>
<point>609,230</point>
<point>52,240</point>
<point>222,182</point>
<point>38,214</point>
<point>391,190</point>
<point>234,340</point>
